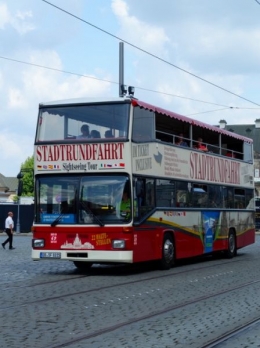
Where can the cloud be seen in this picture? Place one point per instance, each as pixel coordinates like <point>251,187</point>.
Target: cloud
<point>207,40</point>
<point>120,8</point>
<point>19,20</point>
<point>21,24</point>
<point>15,99</point>
<point>4,16</point>
<point>14,147</point>
<point>25,88</point>
<point>148,36</point>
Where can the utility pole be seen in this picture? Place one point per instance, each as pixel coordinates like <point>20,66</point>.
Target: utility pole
<point>20,175</point>
<point>121,69</point>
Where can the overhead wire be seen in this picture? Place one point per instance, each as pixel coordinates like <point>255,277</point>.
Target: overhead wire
<point>59,70</point>
<point>151,54</point>
<point>141,88</point>
<point>205,112</point>
<point>109,81</point>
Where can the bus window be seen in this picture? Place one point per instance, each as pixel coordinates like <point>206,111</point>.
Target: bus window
<point>215,196</point>
<point>199,196</point>
<point>143,125</point>
<point>64,123</point>
<point>150,193</point>
<point>144,200</point>
<point>182,194</point>
<point>239,198</point>
<point>249,198</point>
<point>228,197</point>
<point>56,200</point>
<point>165,193</point>
<point>100,199</point>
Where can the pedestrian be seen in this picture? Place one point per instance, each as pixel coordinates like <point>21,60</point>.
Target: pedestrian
<point>9,227</point>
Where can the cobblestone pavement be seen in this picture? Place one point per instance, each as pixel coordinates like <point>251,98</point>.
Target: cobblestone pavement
<point>17,264</point>
<point>50,304</point>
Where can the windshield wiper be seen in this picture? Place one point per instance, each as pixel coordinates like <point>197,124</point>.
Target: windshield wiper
<point>57,220</point>
<point>90,212</point>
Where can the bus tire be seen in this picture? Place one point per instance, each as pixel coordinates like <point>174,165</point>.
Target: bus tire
<point>83,266</point>
<point>168,252</point>
<point>232,248</point>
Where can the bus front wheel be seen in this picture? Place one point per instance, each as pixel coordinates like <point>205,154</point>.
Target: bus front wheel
<point>168,252</point>
<point>232,248</point>
<point>83,266</point>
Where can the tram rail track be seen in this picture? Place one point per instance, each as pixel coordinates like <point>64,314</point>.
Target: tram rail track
<point>42,283</point>
<point>91,272</point>
<point>211,344</point>
<point>100,288</point>
<point>231,334</point>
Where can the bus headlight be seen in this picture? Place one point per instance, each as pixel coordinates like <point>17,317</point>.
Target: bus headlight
<point>118,244</point>
<point>38,243</point>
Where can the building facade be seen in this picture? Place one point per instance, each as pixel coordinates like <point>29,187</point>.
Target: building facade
<point>8,188</point>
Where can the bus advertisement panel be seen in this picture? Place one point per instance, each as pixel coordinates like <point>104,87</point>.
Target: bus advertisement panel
<point>176,162</point>
<point>77,157</point>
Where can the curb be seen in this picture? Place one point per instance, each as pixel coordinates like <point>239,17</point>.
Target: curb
<point>18,234</point>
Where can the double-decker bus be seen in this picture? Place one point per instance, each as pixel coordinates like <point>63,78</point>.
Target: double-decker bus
<point>183,201</point>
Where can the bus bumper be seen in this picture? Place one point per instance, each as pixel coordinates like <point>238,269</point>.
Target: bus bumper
<point>98,256</point>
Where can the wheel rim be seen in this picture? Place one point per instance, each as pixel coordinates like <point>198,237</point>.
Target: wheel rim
<point>168,251</point>
<point>232,243</point>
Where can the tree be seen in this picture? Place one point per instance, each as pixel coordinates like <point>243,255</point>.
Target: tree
<point>28,177</point>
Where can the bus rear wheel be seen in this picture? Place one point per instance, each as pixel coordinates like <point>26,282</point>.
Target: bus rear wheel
<point>168,252</point>
<point>232,248</point>
<point>83,266</point>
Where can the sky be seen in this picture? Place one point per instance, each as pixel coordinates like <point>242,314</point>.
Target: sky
<point>198,58</point>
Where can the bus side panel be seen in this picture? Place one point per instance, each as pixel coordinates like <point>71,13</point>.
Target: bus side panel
<point>186,233</point>
<point>242,223</point>
<point>187,244</point>
<point>205,231</point>
<point>246,238</point>
<point>242,239</point>
<point>147,241</point>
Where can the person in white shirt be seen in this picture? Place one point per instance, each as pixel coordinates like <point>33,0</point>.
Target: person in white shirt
<point>9,226</point>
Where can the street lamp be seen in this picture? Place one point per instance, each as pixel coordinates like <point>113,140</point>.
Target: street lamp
<point>19,192</point>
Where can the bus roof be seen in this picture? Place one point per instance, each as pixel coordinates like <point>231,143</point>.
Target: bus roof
<point>136,102</point>
<point>80,101</point>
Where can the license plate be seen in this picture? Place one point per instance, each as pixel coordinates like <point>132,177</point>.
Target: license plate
<point>50,255</point>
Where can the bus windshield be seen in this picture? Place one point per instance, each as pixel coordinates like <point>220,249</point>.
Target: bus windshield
<point>59,123</point>
<point>83,199</point>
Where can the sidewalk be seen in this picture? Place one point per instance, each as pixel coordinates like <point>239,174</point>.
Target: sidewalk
<point>17,234</point>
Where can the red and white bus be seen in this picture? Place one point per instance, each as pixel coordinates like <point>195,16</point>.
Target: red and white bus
<point>184,202</point>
